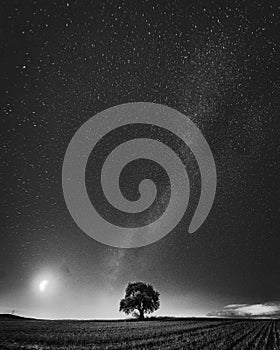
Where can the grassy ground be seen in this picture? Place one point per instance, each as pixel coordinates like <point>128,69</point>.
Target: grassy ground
<point>150,334</point>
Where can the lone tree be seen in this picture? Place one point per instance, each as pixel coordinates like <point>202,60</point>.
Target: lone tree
<point>140,297</point>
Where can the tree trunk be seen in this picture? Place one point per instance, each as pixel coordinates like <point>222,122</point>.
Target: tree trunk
<point>141,314</point>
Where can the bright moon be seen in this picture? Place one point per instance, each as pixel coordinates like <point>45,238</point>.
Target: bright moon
<point>43,285</point>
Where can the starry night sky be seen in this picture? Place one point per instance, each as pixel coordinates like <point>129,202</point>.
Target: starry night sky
<point>62,62</point>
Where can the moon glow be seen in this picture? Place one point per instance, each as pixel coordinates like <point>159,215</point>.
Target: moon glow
<point>43,285</point>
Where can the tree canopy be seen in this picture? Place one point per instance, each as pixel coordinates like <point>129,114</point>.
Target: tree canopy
<point>140,297</point>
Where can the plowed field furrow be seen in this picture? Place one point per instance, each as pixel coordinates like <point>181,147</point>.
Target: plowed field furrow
<point>167,334</point>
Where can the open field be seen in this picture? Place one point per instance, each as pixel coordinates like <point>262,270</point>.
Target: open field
<point>150,334</point>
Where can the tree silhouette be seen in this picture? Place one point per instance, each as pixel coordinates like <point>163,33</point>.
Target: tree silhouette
<point>140,297</point>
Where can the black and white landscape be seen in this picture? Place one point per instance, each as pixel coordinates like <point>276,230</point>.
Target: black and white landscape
<point>79,69</point>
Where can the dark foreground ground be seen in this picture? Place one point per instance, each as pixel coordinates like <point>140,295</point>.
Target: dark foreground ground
<point>17,333</point>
